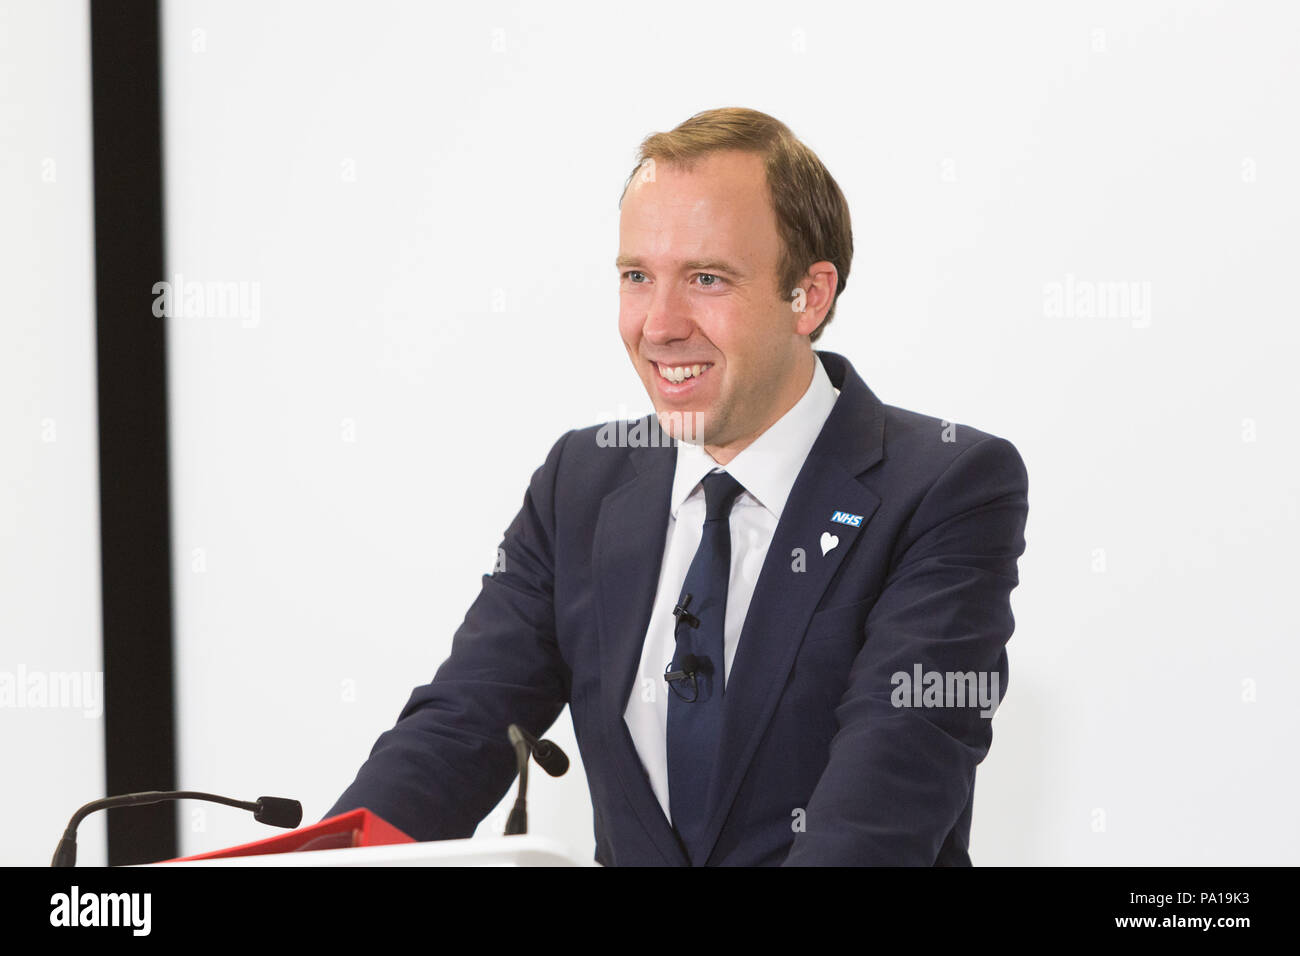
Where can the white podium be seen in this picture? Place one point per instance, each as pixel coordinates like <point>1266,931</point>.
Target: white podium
<point>526,850</point>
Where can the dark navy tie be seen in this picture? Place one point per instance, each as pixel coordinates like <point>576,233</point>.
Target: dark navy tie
<point>695,702</point>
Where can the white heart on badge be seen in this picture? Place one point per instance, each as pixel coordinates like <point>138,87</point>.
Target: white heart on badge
<point>828,541</point>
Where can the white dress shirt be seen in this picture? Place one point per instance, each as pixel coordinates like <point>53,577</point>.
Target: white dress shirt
<point>767,468</point>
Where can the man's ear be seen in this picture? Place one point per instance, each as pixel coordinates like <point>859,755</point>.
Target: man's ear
<point>814,296</point>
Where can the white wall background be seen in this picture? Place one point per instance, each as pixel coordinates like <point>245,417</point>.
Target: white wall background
<point>51,744</point>
<point>423,197</point>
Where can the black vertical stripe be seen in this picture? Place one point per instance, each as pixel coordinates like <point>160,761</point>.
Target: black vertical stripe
<point>139,712</point>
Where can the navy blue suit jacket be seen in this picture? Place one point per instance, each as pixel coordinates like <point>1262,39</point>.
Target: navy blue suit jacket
<point>817,763</point>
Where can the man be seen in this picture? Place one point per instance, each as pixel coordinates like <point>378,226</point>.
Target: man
<point>770,630</point>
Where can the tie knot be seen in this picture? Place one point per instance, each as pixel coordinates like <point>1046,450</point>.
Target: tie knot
<point>720,492</point>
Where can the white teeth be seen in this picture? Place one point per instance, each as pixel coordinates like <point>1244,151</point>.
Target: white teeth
<point>682,372</point>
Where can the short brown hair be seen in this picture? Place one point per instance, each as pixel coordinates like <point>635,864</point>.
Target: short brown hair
<point>812,215</point>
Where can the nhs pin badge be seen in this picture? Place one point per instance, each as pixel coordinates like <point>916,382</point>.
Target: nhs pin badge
<point>843,517</point>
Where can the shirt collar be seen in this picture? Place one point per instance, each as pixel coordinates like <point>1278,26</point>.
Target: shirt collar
<point>769,465</point>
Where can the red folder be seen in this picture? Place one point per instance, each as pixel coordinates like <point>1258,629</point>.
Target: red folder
<point>354,828</point>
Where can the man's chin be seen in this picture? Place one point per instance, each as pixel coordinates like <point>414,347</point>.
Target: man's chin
<point>684,425</point>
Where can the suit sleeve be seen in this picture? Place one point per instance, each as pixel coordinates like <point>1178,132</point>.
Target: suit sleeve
<point>899,777</point>
<point>447,762</point>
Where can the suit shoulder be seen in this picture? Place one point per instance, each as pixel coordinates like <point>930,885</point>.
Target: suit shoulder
<point>932,444</point>
<point>594,456</point>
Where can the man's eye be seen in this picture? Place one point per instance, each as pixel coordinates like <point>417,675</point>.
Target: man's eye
<point>718,280</point>
<point>633,272</point>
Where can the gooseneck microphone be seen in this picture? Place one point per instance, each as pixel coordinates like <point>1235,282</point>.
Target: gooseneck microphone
<point>547,754</point>
<point>273,811</point>
<point>549,757</point>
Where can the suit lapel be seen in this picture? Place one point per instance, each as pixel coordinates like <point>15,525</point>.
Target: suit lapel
<point>629,546</point>
<point>784,598</point>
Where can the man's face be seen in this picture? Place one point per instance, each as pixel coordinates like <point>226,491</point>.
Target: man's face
<point>698,256</point>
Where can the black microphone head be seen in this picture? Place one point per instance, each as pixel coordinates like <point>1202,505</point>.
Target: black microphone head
<point>551,758</point>
<point>278,812</point>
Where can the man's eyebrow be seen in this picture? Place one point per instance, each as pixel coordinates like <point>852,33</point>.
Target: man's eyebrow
<point>704,265</point>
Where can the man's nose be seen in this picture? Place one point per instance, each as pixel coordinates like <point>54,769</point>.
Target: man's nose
<point>668,319</point>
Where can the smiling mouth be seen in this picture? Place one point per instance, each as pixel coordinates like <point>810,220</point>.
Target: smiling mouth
<point>676,374</point>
